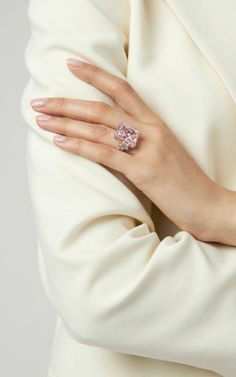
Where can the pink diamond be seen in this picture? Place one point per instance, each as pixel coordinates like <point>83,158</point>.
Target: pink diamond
<point>129,134</point>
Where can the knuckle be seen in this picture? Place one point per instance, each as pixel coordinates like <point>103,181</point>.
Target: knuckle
<point>99,131</point>
<point>106,152</point>
<point>75,145</point>
<point>101,108</point>
<point>91,72</point>
<point>160,136</point>
<point>65,126</point>
<point>93,68</point>
<point>59,102</point>
<point>122,86</point>
<point>121,89</point>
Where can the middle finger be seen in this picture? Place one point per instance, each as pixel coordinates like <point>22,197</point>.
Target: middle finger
<point>88,111</point>
<point>77,129</point>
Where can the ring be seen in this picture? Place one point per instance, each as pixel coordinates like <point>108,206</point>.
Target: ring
<point>127,136</point>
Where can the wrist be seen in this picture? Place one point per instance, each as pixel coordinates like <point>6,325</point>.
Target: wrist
<point>221,226</point>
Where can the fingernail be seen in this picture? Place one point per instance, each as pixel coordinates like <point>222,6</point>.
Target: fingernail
<point>59,138</point>
<point>38,102</point>
<point>43,117</point>
<point>74,62</point>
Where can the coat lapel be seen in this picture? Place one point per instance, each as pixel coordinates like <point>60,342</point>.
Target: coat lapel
<point>212,26</point>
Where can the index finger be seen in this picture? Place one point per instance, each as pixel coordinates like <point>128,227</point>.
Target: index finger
<point>118,89</point>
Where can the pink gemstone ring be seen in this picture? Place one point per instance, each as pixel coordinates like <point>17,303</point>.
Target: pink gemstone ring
<point>127,136</point>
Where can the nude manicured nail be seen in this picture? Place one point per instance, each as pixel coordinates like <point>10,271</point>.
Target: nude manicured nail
<point>38,102</point>
<point>59,138</point>
<point>43,117</point>
<point>74,62</point>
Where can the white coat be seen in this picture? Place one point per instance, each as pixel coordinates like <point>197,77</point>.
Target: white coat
<point>135,296</point>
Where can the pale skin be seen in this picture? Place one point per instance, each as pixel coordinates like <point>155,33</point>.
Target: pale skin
<point>159,165</point>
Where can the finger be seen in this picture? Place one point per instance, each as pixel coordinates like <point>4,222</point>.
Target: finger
<point>97,133</point>
<point>88,111</point>
<point>118,89</point>
<point>100,153</point>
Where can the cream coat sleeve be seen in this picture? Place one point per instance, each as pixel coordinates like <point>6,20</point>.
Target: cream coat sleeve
<point>112,280</point>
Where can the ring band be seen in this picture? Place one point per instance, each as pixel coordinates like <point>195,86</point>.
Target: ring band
<point>127,136</point>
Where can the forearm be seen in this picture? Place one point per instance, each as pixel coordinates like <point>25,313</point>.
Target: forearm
<point>206,209</point>
<point>222,229</point>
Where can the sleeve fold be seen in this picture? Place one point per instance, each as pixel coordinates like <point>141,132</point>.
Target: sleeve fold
<point>112,280</point>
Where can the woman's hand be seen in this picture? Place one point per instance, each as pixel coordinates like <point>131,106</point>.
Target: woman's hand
<point>159,165</point>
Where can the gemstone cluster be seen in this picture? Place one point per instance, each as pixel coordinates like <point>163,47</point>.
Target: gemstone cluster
<point>127,136</point>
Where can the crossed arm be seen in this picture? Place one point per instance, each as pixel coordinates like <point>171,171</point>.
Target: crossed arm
<point>104,268</point>
<point>161,168</point>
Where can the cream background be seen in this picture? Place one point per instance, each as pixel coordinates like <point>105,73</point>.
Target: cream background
<point>26,317</point>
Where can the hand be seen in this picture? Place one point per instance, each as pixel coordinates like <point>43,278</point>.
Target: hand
<point>159,166</point>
